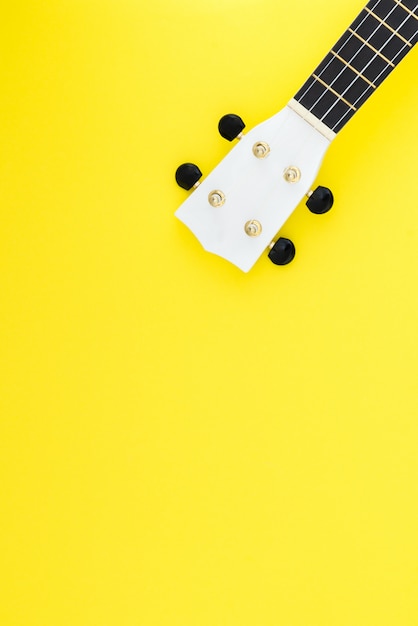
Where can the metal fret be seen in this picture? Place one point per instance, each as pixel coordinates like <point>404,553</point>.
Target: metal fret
<point>369,45</point>
<point>338,116</point>
<point>353,69</point>
<point>362,58</point>
<point>341,77</point>
<point>394,16</point>
<point>339,96</point>
<point>406,9</point>
<point>377,40</point>
<point>395,32</point>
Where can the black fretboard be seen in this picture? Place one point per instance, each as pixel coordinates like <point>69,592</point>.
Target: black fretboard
<point>377,40</point>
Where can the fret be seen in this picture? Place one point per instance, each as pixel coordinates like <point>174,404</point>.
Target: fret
<point>337,117</point>
<point>401,4</point>
<point>324,104</point>
<point>409,4</point>
<point>353,69</point>
<point>374,67</point>
<point>317,98</point>
<point>399,18</point>
<point>366,43</point>
<point>334,92</point>
<point>386,25</point>
<point>344,79</point>
<point>381,35</point>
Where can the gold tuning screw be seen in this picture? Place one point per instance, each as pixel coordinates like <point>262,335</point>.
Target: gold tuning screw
<point>292,174</point>
<point>253,228</point>
<point>216,198</point>
<point>261,149</point>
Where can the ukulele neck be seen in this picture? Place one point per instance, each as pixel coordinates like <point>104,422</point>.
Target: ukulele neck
<point>378,39</point>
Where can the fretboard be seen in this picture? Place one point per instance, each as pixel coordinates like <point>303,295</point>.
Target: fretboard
<point>377,40</point>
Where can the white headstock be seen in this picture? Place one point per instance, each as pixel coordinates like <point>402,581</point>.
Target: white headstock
<point>257,194</point>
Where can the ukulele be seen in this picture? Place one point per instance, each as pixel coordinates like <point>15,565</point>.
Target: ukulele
<point>238,209</point>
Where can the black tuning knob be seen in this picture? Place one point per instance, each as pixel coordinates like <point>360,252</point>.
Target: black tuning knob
<point>187,175</point>
<point>320,201</point>
<point>230,126</point>
<point>282,252</point>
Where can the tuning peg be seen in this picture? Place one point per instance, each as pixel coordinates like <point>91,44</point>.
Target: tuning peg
<point>231,126</point>
<point>188,176</point>
<point>282,252</point>
<point>320,201</point>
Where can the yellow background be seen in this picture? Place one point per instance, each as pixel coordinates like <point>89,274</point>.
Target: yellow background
<point>183,444</point>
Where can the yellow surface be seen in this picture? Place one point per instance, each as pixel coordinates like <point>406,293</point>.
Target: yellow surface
<point>183,444</point>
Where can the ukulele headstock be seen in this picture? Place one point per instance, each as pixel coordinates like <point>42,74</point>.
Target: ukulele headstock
<point>238,209</point>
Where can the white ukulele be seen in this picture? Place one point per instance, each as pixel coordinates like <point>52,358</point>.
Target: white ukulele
<point>238,209</point>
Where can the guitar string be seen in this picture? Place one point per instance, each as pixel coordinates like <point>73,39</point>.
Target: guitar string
<point>358,51</point>
<point>356,54</point>
<point>377,77</point>
<point>368,87</point>
<point>329,63</point>
<point>347,112</point>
